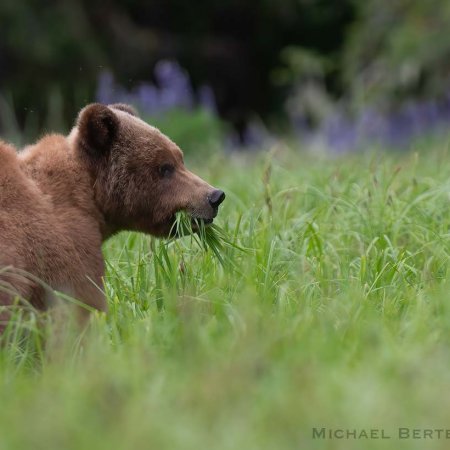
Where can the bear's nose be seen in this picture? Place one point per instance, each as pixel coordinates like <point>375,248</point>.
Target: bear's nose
<point>216,198</point>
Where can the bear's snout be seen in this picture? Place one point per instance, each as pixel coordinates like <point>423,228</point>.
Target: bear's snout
<point>216,198</point>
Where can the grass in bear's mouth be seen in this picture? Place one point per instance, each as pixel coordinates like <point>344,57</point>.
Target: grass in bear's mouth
<point>207,235</point>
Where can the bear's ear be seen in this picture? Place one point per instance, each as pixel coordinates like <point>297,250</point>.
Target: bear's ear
<point>97,128</point>
<point>125,108</point>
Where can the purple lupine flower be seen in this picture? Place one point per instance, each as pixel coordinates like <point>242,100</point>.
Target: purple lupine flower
<point>105,88</point>
<point>371,126</point>
<point>175,86</point>
<point>397,128</point>
<point>207,99</point>
<point>147,97</point>
<point>340,133</point>
<point>173,90</point>
<point>255,135</point>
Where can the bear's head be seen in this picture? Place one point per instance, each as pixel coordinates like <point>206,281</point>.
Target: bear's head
<point>139,178</point>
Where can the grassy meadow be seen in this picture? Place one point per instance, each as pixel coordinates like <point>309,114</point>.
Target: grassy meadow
<point>328,307</point>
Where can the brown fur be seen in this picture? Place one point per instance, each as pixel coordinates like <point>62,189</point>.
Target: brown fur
<point>62,197</point>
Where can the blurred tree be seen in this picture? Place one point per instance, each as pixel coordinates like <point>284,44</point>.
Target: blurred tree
<point>62,46</point>
<point>44,49</point>
<point>397,49</point>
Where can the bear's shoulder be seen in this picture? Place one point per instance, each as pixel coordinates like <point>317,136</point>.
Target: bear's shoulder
<point>8,157</point>
<point>15,188</point>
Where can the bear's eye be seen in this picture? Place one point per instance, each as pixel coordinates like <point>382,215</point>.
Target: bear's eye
<point>166,170</point>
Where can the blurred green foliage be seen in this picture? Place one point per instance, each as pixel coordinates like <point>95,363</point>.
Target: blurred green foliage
<point>46,48</point>
<point>197,132</point>
<point>397,49</point>
<point>257,55</point>
<point>233,46</point>
<point>393,51</point>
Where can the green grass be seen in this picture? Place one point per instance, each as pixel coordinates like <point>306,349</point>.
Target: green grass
<point>328,307</point>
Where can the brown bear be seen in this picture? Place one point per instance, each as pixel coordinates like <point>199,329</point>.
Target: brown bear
<point>63,196</point>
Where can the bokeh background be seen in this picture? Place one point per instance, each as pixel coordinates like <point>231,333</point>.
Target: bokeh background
<point>334,74</point>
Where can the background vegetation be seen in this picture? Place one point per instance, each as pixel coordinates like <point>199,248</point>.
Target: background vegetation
<point>335,314</point>
<point>294,64</point>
